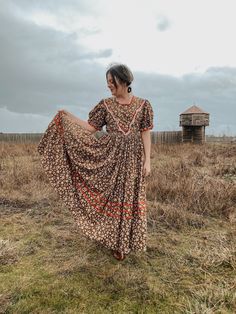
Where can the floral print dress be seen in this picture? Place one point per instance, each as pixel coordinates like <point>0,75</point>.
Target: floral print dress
<point>101,180</point>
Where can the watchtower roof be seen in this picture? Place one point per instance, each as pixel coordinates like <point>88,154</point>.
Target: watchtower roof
<point>194,109</point>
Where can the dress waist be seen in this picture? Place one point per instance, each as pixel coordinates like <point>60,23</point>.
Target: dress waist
<point>120,134</point>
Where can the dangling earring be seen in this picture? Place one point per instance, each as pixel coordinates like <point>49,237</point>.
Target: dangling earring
<point>129,89</point>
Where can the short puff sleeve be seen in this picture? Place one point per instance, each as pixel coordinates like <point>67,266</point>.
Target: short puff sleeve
<point>97,116</point>
<point>146,122</point>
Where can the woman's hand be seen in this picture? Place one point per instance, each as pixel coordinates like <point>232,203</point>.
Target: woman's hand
<point>146,168</point>
<point>70,116</point>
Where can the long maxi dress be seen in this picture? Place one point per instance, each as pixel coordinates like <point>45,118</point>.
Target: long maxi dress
<point>101,180</point>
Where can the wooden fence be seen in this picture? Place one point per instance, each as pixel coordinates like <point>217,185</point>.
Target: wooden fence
<point>156,137</point>
<point>20,137</point>
<point>221,139</point>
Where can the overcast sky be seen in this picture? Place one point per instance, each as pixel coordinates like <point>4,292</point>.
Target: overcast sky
<point>54,55</point>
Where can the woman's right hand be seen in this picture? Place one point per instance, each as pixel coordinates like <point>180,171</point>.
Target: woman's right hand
<point>68,114</point>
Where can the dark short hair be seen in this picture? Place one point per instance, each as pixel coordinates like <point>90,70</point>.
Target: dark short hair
<point>121,72</point>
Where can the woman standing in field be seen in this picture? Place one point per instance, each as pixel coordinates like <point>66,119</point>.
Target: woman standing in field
<point>102,180</point>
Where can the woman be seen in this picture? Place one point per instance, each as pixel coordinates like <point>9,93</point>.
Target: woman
<point>102,180</point>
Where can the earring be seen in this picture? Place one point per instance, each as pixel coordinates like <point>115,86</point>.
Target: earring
<point>129,89</point>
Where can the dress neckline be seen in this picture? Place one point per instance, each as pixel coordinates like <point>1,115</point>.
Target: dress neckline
<point>132,98</point>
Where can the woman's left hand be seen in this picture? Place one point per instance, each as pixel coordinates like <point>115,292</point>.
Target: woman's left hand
<point>146,168</point>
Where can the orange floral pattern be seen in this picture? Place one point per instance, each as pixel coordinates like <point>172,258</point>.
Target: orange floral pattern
<point>101,180</point>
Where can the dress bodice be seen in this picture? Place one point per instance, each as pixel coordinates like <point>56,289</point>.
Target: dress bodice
<point>129,118</point>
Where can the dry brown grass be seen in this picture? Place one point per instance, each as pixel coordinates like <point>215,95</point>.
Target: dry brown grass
<point>190,182</point>
<point>190,264</point>
<point>22,179</point>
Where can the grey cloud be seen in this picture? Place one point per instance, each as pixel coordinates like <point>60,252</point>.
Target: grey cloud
<point>87,32</point>
<point>100,54</point>
<point>163,23</point>
<point>57,6</point>
<point>12,122</point>
<point>41,68</point>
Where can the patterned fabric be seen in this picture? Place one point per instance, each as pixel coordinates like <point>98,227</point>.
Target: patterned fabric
<point>101,180</point>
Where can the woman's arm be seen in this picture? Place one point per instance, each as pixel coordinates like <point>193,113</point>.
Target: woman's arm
<point>146,137</point>
<point>82,123</point>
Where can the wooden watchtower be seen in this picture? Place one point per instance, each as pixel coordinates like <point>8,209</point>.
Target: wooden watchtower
<point>193,121</point>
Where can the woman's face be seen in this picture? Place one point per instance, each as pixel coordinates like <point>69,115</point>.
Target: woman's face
<point>116,91</point>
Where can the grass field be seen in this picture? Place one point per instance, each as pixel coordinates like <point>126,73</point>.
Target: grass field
<point>48,266</point>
